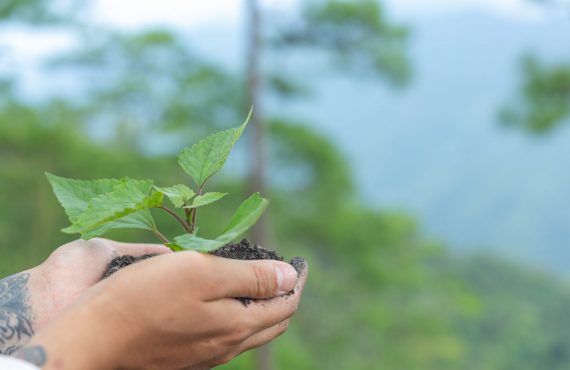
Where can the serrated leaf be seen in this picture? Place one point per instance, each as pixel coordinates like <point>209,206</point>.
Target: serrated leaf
<point>208,156</point>
<point>179,195</point>
<point>205,199</point>
<point>75,195</point>
<point>246,216</point>
<point>127,197</point>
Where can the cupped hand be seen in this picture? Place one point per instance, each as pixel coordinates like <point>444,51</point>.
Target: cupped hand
<point>72,269</point>
<point>173,312</point>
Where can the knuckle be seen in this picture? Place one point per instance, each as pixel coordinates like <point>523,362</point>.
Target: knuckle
<point>95,242</point>
<point>238,335</point>
<point>265,282</point>
<point>284,325</point>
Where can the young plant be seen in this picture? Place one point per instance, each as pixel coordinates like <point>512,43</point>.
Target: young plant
<point>97,206</point>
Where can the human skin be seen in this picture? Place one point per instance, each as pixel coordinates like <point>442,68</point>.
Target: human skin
<point>32,298</point>
<point>172,312</point>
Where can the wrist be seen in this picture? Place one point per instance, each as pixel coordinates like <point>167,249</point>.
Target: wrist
<point>83,337</point>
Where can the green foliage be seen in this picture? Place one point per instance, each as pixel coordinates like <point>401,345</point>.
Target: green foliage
<point>98,206</point>
<point>149,81</point>
<point>95,207</point>
<point>207,157</point>
<point>357,36</point>
<point>245,217</point>
<point>179,194</point>
<point>545,99</point>
<point>204,200</point>
<point>124,199</point>
<point>37,11</point>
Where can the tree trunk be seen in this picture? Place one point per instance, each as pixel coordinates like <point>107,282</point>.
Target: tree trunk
<point>258,155</point>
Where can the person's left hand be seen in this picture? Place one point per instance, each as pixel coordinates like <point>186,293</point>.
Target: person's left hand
<point>73,268</point>
<point>32,298</point>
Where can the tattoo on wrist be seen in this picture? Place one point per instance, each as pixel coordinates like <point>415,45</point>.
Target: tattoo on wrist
<point>15,313</point>
<point>34,354</point>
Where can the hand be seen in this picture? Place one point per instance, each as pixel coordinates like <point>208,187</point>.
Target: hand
<point>73,268</point>
<point>30,299</point>
<point>175,312</point>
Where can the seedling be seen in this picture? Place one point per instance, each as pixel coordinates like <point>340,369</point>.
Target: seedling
<point>98,206</point>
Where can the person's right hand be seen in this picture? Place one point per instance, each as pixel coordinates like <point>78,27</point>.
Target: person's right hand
<point>175,311</point>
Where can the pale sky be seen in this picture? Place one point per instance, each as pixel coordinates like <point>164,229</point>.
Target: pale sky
<point>195,12</point>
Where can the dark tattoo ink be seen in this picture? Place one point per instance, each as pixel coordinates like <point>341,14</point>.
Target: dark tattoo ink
<point>15,313</point>
<point>35,355</point>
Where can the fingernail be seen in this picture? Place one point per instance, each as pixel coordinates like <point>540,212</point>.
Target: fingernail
<point>286,277</point>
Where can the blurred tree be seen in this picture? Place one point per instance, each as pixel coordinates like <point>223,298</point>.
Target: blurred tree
<point>545,98</point>
<point>356,35</point>
<point>146,83</point>
<point>40,12</point>
<point>258,155</point>
<point>544,102</point>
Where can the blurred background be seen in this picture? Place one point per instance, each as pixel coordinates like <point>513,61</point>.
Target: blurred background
<point>414,152</point>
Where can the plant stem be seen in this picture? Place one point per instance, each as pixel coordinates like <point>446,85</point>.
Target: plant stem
<point>178,218</point>
<point>188,214</point>
<point>160,236</point>
<point>194,212</point>
<point>194,218</point>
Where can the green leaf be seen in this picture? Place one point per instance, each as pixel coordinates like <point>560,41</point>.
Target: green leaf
<point>139,220</point>
<point>75,195</point>
<point>209,155</point>
<point>179,195</point>
<point>246,216</point>
<point>208,198</point>
<point>195,243</point>
<point>127,197</point>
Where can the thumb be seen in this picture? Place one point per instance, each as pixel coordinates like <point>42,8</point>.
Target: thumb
<point>252,279</point>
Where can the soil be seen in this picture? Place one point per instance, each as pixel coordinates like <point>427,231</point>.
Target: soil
<point>244,250</point>
<point>118,263</point>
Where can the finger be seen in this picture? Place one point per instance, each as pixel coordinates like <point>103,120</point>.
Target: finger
<point>259,315</point>
<point>140,249</point>
<point>258,279</point>
<point>264,336</point>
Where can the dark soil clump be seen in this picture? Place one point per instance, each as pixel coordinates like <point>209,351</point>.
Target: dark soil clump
<point>246,250</point>
<point>118,263</point>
